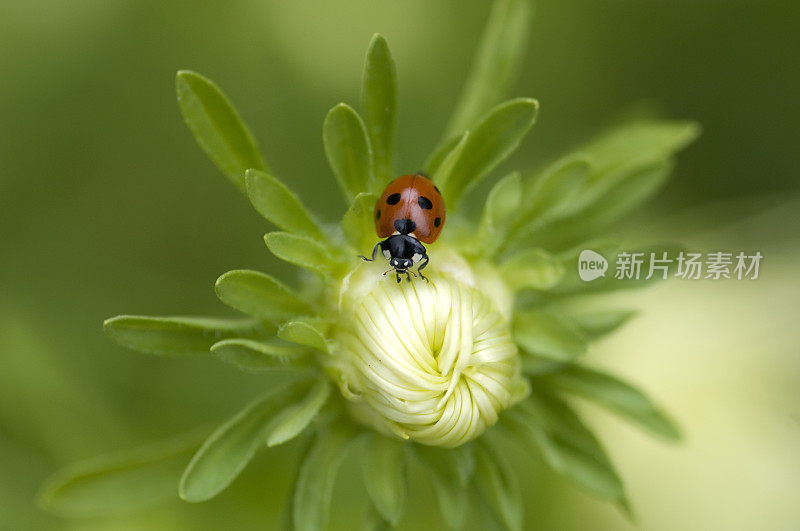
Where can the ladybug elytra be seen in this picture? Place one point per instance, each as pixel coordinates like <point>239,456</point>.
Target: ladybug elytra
<point>409,211</point>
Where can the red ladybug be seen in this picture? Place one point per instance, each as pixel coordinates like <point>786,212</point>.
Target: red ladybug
<point>410,210</point>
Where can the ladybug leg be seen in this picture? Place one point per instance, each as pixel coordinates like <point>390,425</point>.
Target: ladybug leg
<point>408,277</point>
<point>398,277</point>
<point>374,254</point>
<point>422,265</point>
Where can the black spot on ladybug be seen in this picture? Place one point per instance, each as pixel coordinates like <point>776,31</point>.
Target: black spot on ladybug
<point>378,214</point>
<point>437,189</point>
<point>424,203</point>
<point>437,222</point>
<point>393,199</point>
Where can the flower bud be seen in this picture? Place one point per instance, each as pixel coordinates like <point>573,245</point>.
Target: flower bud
<point>431,362</point>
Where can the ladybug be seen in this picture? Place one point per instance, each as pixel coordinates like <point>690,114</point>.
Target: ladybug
<point>409,211</point>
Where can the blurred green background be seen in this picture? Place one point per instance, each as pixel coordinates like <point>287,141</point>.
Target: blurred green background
<point>107,206</point>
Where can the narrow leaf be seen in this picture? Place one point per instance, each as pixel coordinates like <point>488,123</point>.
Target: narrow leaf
<point>348,150</point>
<point>259,295</point>
<point>257,356</point>
<point>436,158</point>
<point>635,143</point>
<point>567,445</point>
<point>123,482</point>
<point>552,194</point>
<point>273,200</point>
<point>532,269</point>
<point>314,488</point>
<point>498,483</point>
<point>217,127</point>
<point>379,102</point>
<point>228,450</point>
<point>303,333</point>
<point>383,470</point>
<point>449,471</point>
<point>549,336</point>
<point>174,335</point>
<point>492,140</point>
<point>358,224</point>
<point>501,206</point>
<point>617,396</point>
<point>301,251</point>
<point>597,324</point>
<point>496,62</point>
<point>296,417</point>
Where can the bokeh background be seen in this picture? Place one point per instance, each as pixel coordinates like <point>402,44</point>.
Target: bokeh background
<point>107,206</point>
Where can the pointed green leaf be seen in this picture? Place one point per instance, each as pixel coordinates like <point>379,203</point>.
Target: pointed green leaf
<point>449,470</point>
<point>348,150</point>
<point>302,251</point>
<point>314,488</point>
<point>228,450</point>
<point>532,269</point>
<point>174,335</point>
<point>257,356</point>
<point>273,200</point>
<point>549,336</point>
<point>567,445</point>
<point>358,224</point>
<point>436,158</point>
<point>493,139</point>
<point>383,469</point>
<point>123,482</point>
<point>501,206</point>
<point>498,483</point>
<point>296,417</point>
<point>552,195</point>
<point>637,143</point>
<point>303,333</point>
<point>598,324</point>
<point>496,62</point>
<point>259,295</point>
<point>379,102</point>
<point>617,396</point>
<point>217,127</point>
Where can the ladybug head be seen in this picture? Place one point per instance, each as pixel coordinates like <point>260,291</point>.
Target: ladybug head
<point>401,263</point>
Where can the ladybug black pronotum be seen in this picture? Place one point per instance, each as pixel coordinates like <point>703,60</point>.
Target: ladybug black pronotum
<point>409,211</point>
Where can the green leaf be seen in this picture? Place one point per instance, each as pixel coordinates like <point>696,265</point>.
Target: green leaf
<point>498,483</point>
<point>532,269</point>
<point>296,417</point>
<point>174,335</point>
<point>492,140</point>
<point>567,445</point>
<point>552,195</point>
<point>314,488</point>
<point>217,127</point>
<point>122,482</point>
<point>302,251</point>
<point>228,450</point>
<point>259,295</point>
<point>449,470</point>
<point>379,101</point>
<point>597,324</point>
<point>257,356</point>
<point>303,333</point>
<point>436,158</point>
<point>383,470</point>
<point>273,200</point>
<point>496,62</point>
<point>501,206</point>
<point>617,396</point>
<point>544,334</point>
<point>348,150</point>
<point>637,143</point>
<point>358,224</point>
